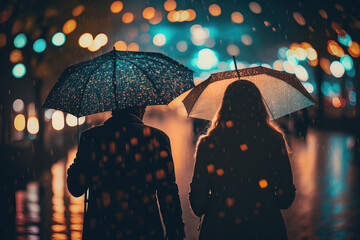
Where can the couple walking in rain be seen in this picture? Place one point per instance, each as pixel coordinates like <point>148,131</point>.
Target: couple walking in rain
<point>242,174</point>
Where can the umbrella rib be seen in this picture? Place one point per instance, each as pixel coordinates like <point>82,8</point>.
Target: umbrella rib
<point>87,81</point>
<point>150,81</point>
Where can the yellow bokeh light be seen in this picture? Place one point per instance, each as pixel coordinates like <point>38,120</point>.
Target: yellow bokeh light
<point>116,7</point>
<point>19,122</point>
<point>33,125</point>
<point>148,13</point>
<point>170,16</point>
<point>170,5</point>
<point>237,17</point>
<point>69,26</point>
<point>94,46</point>
<point>263,183</point>
<point>78,10</point>
<point>133,47</point>
<point>214,10</point>
<point>16,56</point>
<point>311,54</point>
<point>101,39</point>
<point>128,17</point>
<point>176,16</point>
<point>85,40</point>
<point>57,120</point>
<point>184,15</point>
<point>120,46</point>
<point>192,15</point>
<point>334,49</point>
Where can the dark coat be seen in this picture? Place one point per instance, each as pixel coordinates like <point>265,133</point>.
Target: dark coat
<point>127,167</point>
<point>234,186</point>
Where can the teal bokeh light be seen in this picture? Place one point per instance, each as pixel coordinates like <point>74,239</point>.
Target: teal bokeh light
<point>347,62</point>
<point>344,40</point>
<point>58,39</point>
<point>20,40</point>
<point>19,70</point>
<point>39,45</point>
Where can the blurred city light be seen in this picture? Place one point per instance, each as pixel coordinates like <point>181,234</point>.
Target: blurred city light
<point>159,39</point>
<point>237,17</point>
<point>182,46</point>
<point>19,70</point>
<point>347,62</point>
<point>336,102</point>
<point>199,34</point>
<point>311,54</point>
<point>101,39</point>
<point>69,26</point>
<point>128,17</point>
<point>20,40</point>
<point>233,50</point>
<point>78,10</point>
<point>48,113</point>
<point>344,39</point>
<point>325,65</point>
<point>120,46</point>
<point>334,48</point>
<point>277,65</point>
<point>148,13</point>
<point>3,40</point>
<point>170,5</point>
<point>206,59</point>
<point>301,73</point>
<point>308,86</point>
<point>85,40</point>
<point>39,45</point>
<point>255,7</point>
<point>58,39</point>
<point>337,69</point>
<point>18,105</point>
<point>71,120</point>
<point>299,18</point>
<point>116,7</point>
<point>246,39</point>
<point>133,47</point>
<point>19,122</point>
<point>282,53</point>
<point>16,56</point>
<point>57,120</point>
<point>214,10</point>
<point>289,67</point>
<point>33,125</point>
<point>354,49</point>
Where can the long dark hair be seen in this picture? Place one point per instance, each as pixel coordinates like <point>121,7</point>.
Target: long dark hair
<point>242,111</point>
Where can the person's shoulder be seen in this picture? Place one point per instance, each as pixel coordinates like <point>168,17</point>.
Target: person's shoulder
<point>154,132</point>
<point>92,131</point>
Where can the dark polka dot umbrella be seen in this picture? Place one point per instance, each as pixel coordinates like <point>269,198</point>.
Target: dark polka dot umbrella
<point>117,80</point>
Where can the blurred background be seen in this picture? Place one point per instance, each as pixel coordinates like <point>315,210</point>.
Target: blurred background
<point>318,41</point>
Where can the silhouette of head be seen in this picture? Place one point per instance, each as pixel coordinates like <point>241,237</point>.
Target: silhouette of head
<point>138,111</point>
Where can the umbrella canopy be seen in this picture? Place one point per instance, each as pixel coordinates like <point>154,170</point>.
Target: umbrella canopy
<point>282,92</point>
<point>117,80</point>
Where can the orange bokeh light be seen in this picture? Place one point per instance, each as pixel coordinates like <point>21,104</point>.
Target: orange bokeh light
<point>170,5</point>
<point>133,47</point>
<point>263,183</point>
<point>128,17</point>
<point>237,17</point>
<point>120,46</point>
<point>16,56</point>
<point>78,10</point>
<point>69,26</point>
<point>354,49</point>
<point>336,102</point>
<point>149,13</point>
<point>116,7</point>
<point>214,10</point>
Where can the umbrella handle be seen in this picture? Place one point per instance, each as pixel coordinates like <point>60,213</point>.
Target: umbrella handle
<point>236,67</point>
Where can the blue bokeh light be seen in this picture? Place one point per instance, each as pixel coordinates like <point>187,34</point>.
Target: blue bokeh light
<point>39,45</point>
<point>58,39</point>
<point>347,62</point>
<point>19,70</point>
<point>20,40</point>
<point>345,40</point>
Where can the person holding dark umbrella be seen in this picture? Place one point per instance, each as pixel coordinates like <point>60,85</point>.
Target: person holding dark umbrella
<point>126,165</point>
<point>242,176</point>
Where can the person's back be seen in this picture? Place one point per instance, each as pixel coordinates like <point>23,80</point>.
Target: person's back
<point>127,167</point>
<point>238,165</point>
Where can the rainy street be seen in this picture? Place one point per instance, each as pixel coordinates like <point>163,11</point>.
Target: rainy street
<point>326,177</point>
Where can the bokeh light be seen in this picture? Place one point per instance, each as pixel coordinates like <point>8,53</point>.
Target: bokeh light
<point>334,48</point>
<point>246,39</point>
<point>301,73</point>
<point>337,69</point>
<point>18,105</point>
<point>3,40</point>
<point>148,13</point>
<point>101,39</point>
<point>299,18</point>
<point>336,102</point>
<point>48,113</point>
<point>78,10</point>
<point>57,120</point>
<point>156,19</point>
<point>354,49</point>
<point>69,26</point>
<point>159,39</point>
<point>344,39</point>
<point>309,87</point>
<point>85,40</point>
<point>182,46</point>
<point>325,65</point>
<point>170,5</point>
<point>289,67</point>
<point>233,50</point>
<point>58,39</point>
<point>94,46</point>
<point>237,17</point>
<point>255,7</point>
<point>20,40</point>
<point>347,62</point>
<point>311,54</point>
<point>39,45</point>
<point>277,65</point>
<point>128,17</point>
<point>19,122</point>
<point>133,47</point>
<point>199,34</point>
<point>206,59</point>
<point>116,7</point>
<point>120,46</point>
<point>214,10</point>
<point>71,120</point>
<point>19,70</point>
<point>16,56</point>
<point>33,125</point>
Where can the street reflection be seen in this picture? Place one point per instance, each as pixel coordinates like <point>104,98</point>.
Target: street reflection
<point>325,175</point>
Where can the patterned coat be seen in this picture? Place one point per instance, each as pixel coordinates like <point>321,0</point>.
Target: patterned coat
<point>127,167</point>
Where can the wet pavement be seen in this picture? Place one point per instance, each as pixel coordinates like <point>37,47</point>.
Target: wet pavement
<point>326,176</point>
